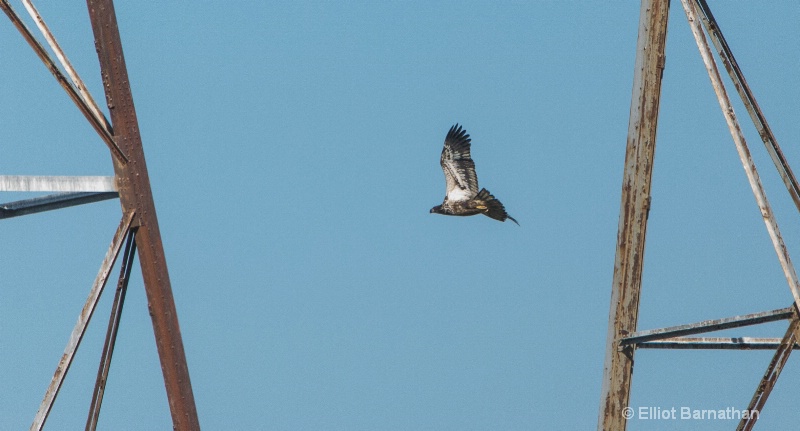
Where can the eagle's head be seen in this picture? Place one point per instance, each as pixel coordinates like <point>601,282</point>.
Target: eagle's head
<point>437,210</point>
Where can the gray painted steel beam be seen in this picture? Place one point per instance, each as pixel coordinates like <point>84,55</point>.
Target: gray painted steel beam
<point>51,202</point>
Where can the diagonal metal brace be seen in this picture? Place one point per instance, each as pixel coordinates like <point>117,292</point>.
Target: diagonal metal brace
<point>62,57</point>
<point>100,126</point>
<point>741,147</point>
<point>771,376</point>
<point>83,322</point>
<point>749,100</point>
<point>111,333</point>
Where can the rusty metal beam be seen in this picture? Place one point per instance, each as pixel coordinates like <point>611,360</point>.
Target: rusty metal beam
<point>111,332</point>
<point>749,100</point>
<point>713,343</point>
<point>83,322</point>
<point>135,193</point>
<point>62,57</point>
<point>744,153</point>
<point>771,375</point>
<point>708,326</point>
<point>98,124</point>
<point>634,208</point>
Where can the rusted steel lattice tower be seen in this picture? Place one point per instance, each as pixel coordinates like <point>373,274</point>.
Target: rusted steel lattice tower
<point>138,230</point>
<point>623,335</point>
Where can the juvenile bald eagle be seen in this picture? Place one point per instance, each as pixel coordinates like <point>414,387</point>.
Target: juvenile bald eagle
<point>463,196</point>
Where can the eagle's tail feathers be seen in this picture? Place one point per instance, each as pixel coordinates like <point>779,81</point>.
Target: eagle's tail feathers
<point>495,209</point>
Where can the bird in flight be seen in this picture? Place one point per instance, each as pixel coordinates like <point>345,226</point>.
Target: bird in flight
<point>463,196</point>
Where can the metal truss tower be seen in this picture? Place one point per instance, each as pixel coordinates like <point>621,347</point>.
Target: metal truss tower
<point>623,335</point>
<point>138,230</point>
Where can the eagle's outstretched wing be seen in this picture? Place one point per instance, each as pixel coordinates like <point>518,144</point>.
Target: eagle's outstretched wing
<point>458,167</point>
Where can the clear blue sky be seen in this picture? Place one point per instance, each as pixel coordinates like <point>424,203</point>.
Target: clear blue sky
<point>293,151</point>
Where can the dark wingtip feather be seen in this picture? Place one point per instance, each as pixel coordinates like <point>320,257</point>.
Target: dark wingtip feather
<point>457,135</point>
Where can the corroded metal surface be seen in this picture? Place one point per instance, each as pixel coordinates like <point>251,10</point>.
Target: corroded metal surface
<point>749,100</point>
<point>708,326</point>
<point>135,194</point>
<point>86,96</point>
<point>771,375</point>
<point>99,124</point>
<point>714,343</point>
<point>634,210</point>
<point>744,152</point>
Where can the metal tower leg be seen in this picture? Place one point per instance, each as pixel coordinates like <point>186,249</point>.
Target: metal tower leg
<point>135,194</point>
<point>634,209</point>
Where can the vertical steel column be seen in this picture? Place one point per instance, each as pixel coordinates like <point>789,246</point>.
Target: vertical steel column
<point>634,208</point>
<point>135,193</point>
